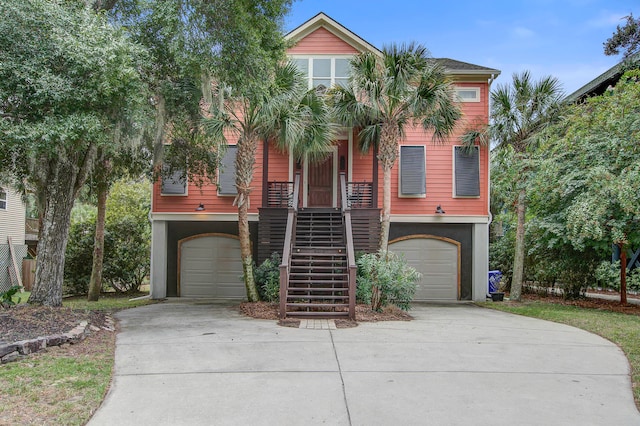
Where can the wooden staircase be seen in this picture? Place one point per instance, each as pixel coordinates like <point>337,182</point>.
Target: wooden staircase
<point>318,284</point>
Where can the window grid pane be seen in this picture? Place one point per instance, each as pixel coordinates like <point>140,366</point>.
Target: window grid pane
<point>322,68</point>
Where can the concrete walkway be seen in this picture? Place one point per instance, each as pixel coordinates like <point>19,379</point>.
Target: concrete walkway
<point>202,363</point>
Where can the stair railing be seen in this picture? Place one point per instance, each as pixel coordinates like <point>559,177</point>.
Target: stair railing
<point>289,237</point>
<point>351,257</point>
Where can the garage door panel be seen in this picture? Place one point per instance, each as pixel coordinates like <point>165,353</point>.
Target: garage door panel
<point>210,266</point>
<point>437,261</point>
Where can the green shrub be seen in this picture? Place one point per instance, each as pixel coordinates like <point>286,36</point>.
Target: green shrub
<point>79,254</point>
<point>501,257</point>
<point>127,241</point>
<point>385,278</point>
<point>127,252</point>
<point>607,275</point>
<point>267,277</point>
<point>6,297</point>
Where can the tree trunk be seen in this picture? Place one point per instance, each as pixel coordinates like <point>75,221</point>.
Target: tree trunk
<point>387,155</point>
<point>623,274</point>
<point>386,209</point>
<point>518,257</point>
<point>95,283</point>
<point>54,234</point>
<point>245,160</point>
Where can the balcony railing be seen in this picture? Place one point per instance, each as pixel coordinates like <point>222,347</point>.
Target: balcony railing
<point>359,195</point>
<point>279,194</point>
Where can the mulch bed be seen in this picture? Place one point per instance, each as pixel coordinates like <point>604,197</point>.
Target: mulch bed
<point>263,310</point>
<point>24,322</point>
<point>588,302</point>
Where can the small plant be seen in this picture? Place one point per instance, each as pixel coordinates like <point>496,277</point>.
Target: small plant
<point>607,275</point>
<point>6,297</point>
<point>267,277</point>
<point>385,278</point>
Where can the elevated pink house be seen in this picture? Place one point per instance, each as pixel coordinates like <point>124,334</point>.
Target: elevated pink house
<point>440,205</point>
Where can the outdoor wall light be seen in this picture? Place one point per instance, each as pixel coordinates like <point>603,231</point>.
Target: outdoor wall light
<point>439,210</point>
<point>200,208</point>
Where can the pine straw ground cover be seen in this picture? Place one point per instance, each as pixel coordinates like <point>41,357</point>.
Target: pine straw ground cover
<point>264,310</point>
<point>617,323</point>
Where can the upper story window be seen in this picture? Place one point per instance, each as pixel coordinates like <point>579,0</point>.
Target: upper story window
<point>413,171</point>
<point>227,172</point>
<point>466,171</point>
<point>324,71</point>
<point>468,94</point>
<point>3,199</point>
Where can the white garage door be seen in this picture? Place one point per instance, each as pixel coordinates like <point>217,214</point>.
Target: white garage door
<point>437,261</point>
<point>210,266</point>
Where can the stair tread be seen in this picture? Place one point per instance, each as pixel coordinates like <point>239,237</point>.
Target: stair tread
<point>317,289</point>
<point>303,314</point>
<point>318,305</point>
<point>316,296</point>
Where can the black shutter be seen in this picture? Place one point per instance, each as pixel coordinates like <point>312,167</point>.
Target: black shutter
<point>227,172</point>
<point>467,169</point>
<point>413,180</point>
<point>174,184</point>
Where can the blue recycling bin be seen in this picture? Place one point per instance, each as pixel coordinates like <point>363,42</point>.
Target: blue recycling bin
<point>494,281</point>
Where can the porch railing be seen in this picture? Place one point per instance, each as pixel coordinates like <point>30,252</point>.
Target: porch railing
<point>351,258</point>
<point>289,240</point>
<point>280,194</point>
<point>359,195</point>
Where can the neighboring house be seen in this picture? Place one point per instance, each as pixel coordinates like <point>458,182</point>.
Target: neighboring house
<point>604,81</point>
<point>597,87</point>
<point>440,204</point>
<point>12,226</point>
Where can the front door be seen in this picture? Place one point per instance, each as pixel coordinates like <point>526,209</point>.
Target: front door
<point>321,183</point>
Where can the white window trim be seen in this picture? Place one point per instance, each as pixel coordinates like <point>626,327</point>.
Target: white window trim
<point>4,199</point>
<point>453,175</point>
<point>400,194</point>
<point>469,89</point>
<point>310,66</point>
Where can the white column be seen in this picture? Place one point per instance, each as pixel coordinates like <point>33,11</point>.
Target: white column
<point>480,262</point>
<point>158,279</point>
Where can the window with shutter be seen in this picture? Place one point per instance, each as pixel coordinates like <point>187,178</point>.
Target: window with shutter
<point>227,172</point>
<point>413,179</point>
<point>174,183</point>
<point>3,199</point>
<point>467,172</point>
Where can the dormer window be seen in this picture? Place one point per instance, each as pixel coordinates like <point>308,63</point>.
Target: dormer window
<point>323,72</point>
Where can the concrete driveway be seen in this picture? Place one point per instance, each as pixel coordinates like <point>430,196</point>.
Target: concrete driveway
<point>202,363</point>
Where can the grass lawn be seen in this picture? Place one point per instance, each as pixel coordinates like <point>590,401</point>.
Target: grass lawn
<point>621,329</point>
<point>62,385</point>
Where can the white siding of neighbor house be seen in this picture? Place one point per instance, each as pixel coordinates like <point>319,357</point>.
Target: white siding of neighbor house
<point>12,220</point>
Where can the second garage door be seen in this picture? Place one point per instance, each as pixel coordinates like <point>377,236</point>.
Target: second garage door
<point>437,260</point>
<point>210,266</point>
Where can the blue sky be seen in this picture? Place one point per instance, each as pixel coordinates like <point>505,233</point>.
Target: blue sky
<point>562,38</point>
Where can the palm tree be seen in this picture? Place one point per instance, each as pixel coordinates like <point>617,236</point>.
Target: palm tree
<point>386,94</point>
<point>282,110</point>
<point>519,112</point>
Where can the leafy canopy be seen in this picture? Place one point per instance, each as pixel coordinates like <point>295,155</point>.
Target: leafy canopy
<point>587,189</point>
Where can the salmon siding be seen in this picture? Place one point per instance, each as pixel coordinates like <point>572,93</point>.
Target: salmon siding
<point>450,250</point>
<point>439,173</point>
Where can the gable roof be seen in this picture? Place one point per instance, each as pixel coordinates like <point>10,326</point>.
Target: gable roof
<point>598,85</point>
<point>323,21</point>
